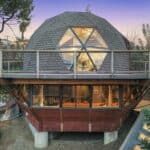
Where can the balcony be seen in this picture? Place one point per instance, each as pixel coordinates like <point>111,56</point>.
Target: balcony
<point>83,64</point>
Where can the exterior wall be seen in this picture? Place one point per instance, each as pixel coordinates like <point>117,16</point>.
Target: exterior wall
<point>77,120</point>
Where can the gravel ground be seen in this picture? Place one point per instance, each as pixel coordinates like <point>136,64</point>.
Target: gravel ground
<point>15,135</point>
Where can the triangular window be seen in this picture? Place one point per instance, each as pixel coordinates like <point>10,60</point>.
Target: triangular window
<point>86,39</point>
<point>84,63</point>
<point>96,40</point>
<point>82,33</point>
<point>97,58</point>
<point>69,40</point>
<point>68,57</point>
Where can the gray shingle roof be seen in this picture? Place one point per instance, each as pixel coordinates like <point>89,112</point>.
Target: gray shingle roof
<point>48,35</point>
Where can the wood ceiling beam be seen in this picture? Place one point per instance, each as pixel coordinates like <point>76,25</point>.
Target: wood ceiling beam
<point>68,82</point>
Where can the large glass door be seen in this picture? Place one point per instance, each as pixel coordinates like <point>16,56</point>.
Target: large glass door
<point>76,96</point>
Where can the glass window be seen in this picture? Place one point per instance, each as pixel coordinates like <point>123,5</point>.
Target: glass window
<point>126,95</point>
<point>96,40</point>
<point>68,96</point>
<point>76,96</point>
<point>98,58</point>
<point>86,39</point>
<point>69,40</point>
<point>82,96</point>
<point>100,96</point>
<point>84,63</point>
<point>83,33</point>
<point>105,96</point>
<point>115,96</point>
<point>68,57</point>
<point>46,95</point>
<point>52,95</point>
<point>37,96</point>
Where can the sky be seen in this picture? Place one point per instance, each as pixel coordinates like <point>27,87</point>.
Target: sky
<point>125,15</point>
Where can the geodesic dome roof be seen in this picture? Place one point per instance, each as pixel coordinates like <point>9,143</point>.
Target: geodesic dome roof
<point>77,31</point>
<point>49,34</point>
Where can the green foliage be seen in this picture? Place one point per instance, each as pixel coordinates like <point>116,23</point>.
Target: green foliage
<point>4,96</point>
<point>139,61</point>
<point>145,144</point>
<point>146,33</point>
<point>146,112</point>
<point>19,10</point>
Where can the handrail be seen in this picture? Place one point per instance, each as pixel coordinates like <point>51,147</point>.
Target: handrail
<point>71,51</point>
<point>112,60</point>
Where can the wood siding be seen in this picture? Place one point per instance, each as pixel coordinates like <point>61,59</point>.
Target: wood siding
<point>77,120</point>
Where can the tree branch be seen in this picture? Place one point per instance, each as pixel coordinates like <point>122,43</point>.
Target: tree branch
<point>2,26</point>
<point>5,20</point>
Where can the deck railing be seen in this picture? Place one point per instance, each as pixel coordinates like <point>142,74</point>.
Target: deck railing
<point>75,64</point>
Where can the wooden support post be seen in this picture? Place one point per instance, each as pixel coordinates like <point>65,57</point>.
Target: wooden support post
<point>110,96</point>
<point>30,95</point>
<point>121,92</point>
<point>90,104</point>
<point>1,62</point>
<point>61,95</point>
<point>129,92</point>
<point>91,95</point>
<point>41,95</point>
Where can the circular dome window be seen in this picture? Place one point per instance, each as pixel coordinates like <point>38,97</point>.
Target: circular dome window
<point>85,40</point>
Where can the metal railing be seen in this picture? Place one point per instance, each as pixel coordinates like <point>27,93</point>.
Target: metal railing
<point>75,64</point>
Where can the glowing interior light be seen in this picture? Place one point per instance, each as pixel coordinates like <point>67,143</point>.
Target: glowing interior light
<point>88,40</point>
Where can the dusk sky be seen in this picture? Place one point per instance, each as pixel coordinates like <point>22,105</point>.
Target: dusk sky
<point>126,15</point>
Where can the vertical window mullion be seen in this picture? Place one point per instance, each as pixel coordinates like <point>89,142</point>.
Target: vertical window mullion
<point>91,96</point>
<point>61,95</point>
<point>121,91</point>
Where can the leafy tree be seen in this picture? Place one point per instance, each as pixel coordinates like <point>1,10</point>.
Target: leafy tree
<point>139,61</point>
<point>146,32</point>
<point>4,96</point>
<point>23,26</point>
<point>18,10</point>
